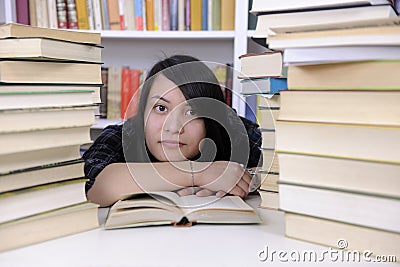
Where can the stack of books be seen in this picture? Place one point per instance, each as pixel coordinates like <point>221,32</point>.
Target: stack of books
<point>49,88</point>
<point>339,126</point>
<point>263,77</point>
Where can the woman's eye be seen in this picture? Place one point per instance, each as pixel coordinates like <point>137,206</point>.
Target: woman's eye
<point>190,112</point>
<point>160,108</point>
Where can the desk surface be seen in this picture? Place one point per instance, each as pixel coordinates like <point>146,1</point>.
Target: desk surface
<point>200,245</point>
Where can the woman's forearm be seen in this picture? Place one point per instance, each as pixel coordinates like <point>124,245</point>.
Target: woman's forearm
<point>123,178</point>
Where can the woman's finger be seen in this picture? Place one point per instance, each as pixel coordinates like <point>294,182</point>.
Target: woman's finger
<point>204,192</point>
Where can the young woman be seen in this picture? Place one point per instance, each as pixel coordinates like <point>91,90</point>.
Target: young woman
<point>183,138</point>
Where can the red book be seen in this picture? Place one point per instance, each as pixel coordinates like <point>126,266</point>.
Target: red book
<point>134,93</point>
<point>166,23</point>
<point>61,7</point>
<point>125,90</point>
<point>22,7</point>
<point>72,19</point>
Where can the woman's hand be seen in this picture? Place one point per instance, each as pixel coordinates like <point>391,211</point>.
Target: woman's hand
<point>220,178</point>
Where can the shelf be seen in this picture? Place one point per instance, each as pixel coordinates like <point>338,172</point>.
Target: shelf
<point>169,34</point>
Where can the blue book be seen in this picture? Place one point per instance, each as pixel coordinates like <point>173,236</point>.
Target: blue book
<point>173,10</point>
<point>107,22</point>
<point>277,84</point>
<point>204,15</point>
<point>251,105</point>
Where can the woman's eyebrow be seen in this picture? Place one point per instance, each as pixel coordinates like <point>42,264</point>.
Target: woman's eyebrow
<point>161,98</point>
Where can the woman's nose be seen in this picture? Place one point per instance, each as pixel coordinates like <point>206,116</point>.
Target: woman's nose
<point>174,123</point>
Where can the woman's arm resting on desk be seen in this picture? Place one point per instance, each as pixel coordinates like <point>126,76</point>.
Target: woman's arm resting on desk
<point>123,178</point>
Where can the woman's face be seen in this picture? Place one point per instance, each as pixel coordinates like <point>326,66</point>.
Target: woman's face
<point>172,130</point>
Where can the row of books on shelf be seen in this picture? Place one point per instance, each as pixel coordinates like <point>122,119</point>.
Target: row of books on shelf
<point>338,125</point>
<point>48,105</point>
<point>140,15</point>
<point>121,87</point>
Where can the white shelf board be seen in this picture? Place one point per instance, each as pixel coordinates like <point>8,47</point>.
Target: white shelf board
<point>169,34</point>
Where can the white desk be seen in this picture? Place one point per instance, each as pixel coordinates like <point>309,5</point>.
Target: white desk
<point>200,245</point>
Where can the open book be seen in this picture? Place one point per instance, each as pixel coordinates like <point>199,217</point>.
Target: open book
<point>157,208</point>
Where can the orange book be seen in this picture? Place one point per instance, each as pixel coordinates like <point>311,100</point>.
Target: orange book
<point>113,15</point>
<point>125,91</point>
<point>150,15</point>
<point>82,15</point>
<point>227,15</point>
<point>195,15</point>
<point>134,93</point>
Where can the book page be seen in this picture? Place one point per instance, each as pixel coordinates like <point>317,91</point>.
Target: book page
<point>193,203</point>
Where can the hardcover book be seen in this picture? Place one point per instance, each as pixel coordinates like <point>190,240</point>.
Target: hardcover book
<point>163,208</point>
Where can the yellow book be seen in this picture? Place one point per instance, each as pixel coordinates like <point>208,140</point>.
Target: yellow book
<point>150,15</point>
<point>82,14</point>
<point>195,15</point>
<point>227,15</point>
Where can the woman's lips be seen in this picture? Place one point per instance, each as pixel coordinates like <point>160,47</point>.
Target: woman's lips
<point>171,144</point>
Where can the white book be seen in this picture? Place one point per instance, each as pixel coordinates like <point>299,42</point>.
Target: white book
<point>268,24</point>
<point>89,6</point>
<point>129,15</point>
<point>97,20</point>
<point>374,35</point>
<point>279,5</point>
<point>52,14</point>
<point>360,209</point>
<point>157,16</point>
<point>332,54</point>
<point>181,15</point>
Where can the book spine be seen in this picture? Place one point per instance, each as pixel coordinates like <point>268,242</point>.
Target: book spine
<point>98,23</point>
<point>166,23</point>
<point>157,15</point>
<point>72,19</point>
<point>22,7</point>
<point>139,15</point>
<point>134,93</point>
<point>121,14</point>
<point>114,92</point>
<point>216,15</point>
<point>204,15</point>
<point>195,15</point>
<point>187,15</point>
<point>61,6</point>
<point>113,15</point>
<point>174,14</point>
<point>228,84</point>
<point>144,15</point>
<point>150,15</point>
<point>104,15</point>
<point>209,14</point>
<point>81,12</point>
<point>90,12</point>
<point>52,12</point>
<point>181,15</point>
<point>32,13</point>
<point>125,91</point>
<point>42,17</point>
<point>227,15</point>
<point>103,93</point>
<point>129,15</point>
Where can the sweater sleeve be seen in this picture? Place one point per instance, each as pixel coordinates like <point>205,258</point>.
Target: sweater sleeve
<point>106,149</point>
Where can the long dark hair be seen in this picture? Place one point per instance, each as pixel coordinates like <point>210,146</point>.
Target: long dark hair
<point>196,81</point>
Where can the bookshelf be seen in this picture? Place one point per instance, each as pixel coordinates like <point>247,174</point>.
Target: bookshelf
<point>141,49</point>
